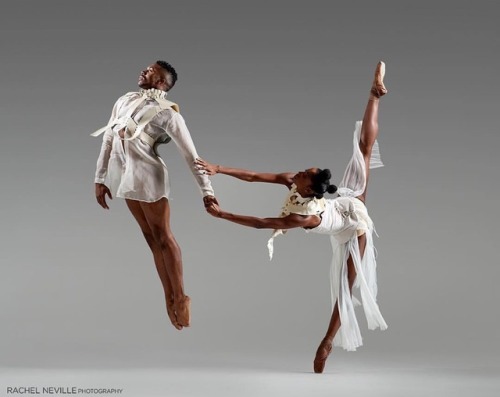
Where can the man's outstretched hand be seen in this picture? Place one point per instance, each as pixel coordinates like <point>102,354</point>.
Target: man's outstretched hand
<point>208,200</point>
<point>101,191</point>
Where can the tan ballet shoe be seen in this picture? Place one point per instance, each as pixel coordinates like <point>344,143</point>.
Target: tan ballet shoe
<point>171,314</point>
<point>378,88</point>
<point>183,311</point>
<point>324,350</point>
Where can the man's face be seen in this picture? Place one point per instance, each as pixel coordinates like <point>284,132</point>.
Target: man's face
<point>152,76</point>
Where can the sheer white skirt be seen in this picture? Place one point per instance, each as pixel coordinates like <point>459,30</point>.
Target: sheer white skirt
<point>352,185</point>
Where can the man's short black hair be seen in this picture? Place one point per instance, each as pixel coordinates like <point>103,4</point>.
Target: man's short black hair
<point>171,71</point>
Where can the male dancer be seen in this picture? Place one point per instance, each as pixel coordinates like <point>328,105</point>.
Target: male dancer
<point>129,167</point>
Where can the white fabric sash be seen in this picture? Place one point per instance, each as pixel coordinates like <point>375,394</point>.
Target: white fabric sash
<point>133,128</point>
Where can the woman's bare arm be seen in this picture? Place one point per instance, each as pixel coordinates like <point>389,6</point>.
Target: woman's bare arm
<point>284,178</point>
<point>288,222</point>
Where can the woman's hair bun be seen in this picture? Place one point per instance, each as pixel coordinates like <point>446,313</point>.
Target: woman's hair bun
<point>331,189</point>
<point>321,183</point>
<point>324,175</point>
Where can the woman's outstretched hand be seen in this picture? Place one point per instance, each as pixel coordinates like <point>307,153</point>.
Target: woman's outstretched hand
<point>208,168</point>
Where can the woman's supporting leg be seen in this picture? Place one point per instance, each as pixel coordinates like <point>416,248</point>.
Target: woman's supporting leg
<point>325,346</point>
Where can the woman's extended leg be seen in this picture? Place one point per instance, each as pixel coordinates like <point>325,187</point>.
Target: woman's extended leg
<point>325,346</point>
<point>369,130</point>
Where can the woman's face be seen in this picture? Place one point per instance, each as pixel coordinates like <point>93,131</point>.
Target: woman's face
<point>303,181</point>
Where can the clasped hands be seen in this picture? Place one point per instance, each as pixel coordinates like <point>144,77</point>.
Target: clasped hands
<point>212,206</point>
<point>210,202</point>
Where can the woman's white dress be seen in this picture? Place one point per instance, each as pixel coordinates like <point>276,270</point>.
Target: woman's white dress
<point>344,219</point>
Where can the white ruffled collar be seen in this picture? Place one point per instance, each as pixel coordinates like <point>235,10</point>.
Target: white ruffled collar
<point>154,93</point>
<point>296,204</point>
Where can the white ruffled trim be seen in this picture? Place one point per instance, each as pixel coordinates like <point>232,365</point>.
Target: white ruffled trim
<point>296,204</point>
<point>153,93</point>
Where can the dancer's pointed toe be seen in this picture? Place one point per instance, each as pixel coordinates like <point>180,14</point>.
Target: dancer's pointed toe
<point>378,88</point>
<point>324,350</point>
<point>183,311</point>
<point>171,314</point>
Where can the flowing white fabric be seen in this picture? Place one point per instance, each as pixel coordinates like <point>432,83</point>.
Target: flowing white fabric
<point>129,165</point>
<point>354,181</point>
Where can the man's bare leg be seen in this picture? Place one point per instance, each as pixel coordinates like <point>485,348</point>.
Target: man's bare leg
<point>137,212</point>
<point>157,215</point>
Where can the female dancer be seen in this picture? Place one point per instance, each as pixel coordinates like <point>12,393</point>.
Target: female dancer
<point>344,218</point>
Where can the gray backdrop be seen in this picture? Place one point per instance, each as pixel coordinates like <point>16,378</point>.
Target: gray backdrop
<point>270,86</point>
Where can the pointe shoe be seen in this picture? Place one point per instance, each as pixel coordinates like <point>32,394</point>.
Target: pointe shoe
<point>171,314</point>
<point>183,311</point>
<point>324,350</point>
<point>378,88</point>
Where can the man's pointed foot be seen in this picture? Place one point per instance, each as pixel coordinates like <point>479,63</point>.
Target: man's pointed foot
<point>183,311</point>
<point>171,314</point>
